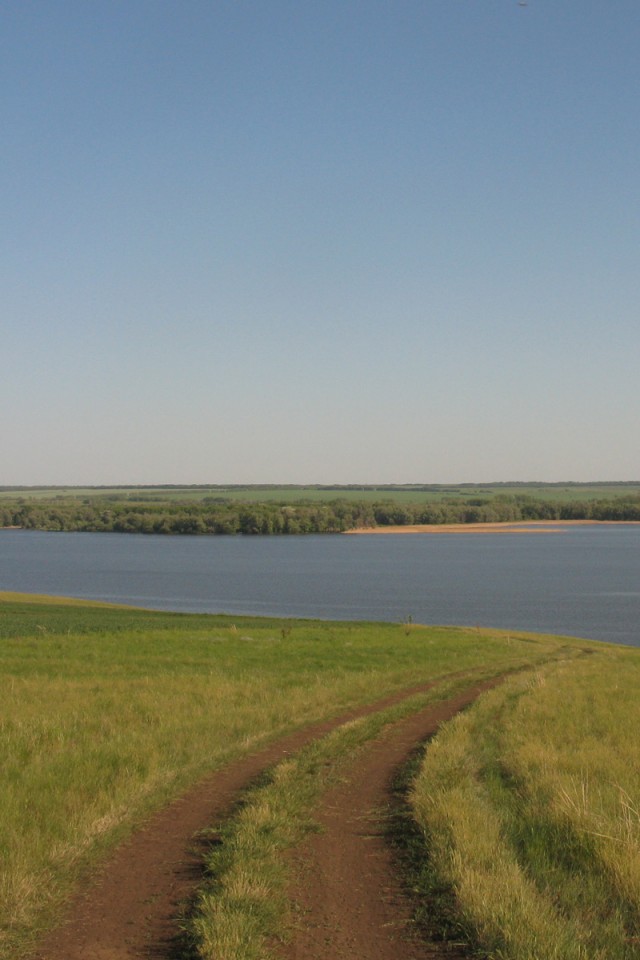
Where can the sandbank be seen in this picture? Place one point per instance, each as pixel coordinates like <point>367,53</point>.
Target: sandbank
<point>519,526</point>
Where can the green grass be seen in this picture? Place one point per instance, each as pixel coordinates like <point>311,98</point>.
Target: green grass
<point>106,713</point>
<point>529,805</point>
<point>292,493</point>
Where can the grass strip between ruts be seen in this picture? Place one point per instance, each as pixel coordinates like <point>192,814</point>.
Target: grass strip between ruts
<point>244,903</point>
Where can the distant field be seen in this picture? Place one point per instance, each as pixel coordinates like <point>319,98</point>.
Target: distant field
<point>410,493</point>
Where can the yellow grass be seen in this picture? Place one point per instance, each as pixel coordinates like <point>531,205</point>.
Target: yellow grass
<point>530,804</point>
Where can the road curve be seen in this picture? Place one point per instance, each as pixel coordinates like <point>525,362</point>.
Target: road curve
<point>130,909</point>
<point>349,901</point>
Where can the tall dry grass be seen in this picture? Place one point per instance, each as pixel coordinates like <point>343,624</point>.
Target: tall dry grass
<point>529,805</point>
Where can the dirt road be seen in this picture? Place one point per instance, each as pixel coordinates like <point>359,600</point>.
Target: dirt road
<point>350,898</point>
<point>350,902</point>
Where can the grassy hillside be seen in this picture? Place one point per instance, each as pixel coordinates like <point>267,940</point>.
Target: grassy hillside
<point>107,712</point>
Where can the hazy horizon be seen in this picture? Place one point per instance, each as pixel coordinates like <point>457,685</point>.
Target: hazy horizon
<point>337,484</point>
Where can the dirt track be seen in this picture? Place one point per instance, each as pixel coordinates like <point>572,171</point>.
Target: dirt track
<point>351,903</point>
<point>349,899</point>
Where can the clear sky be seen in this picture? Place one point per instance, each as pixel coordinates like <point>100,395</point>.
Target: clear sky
<point>319,241</point>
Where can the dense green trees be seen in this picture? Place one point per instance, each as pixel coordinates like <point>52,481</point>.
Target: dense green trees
<point>217,516</point>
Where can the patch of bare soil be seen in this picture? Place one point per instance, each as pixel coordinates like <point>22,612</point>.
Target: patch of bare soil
<point>130,910</point>
<point>348,897</point>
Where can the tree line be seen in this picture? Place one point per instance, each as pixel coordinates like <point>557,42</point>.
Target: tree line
<point>215,517</point>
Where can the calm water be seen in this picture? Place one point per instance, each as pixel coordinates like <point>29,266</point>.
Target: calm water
<point>585,582</point>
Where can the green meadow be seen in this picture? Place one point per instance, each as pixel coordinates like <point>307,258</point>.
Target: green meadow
<point>295,493</point>
<point>109,712</point>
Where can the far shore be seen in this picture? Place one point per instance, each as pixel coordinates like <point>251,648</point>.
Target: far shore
<point>518,526</point>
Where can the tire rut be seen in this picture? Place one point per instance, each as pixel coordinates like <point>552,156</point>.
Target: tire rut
<point>130,909</point>
<point>348,898</point>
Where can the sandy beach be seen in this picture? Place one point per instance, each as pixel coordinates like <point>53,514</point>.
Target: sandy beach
<point>520,526</point>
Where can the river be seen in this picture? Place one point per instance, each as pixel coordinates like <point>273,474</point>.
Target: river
<point>584,582</point>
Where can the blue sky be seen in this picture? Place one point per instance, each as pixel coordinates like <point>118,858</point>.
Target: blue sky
<point>319,241</point>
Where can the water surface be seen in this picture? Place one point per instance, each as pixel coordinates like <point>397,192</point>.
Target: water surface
<point>583,582</point>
